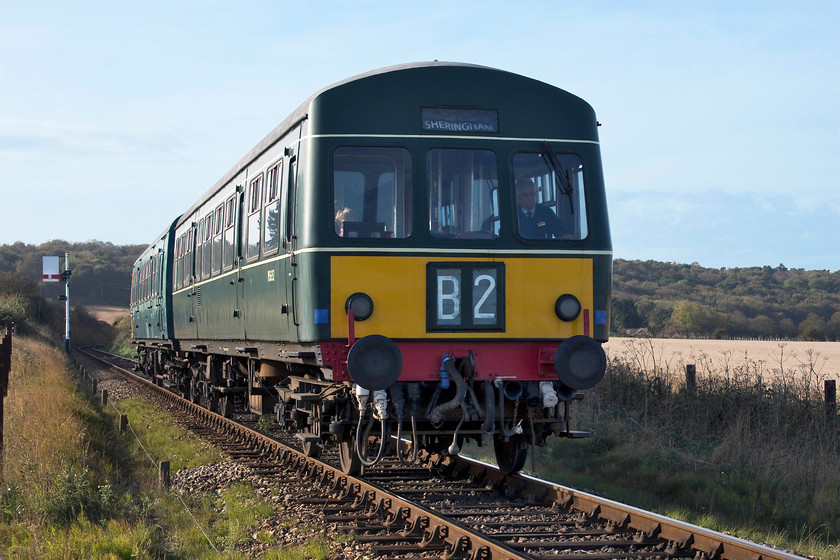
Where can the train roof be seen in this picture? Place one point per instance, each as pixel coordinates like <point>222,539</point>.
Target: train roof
<point>305,109</point>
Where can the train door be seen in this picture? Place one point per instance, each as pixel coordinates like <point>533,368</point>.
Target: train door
<point>288,264</point>
<point>262,288</point>
<point>159,293</point>
<point>183,288</point>
<point>232,268</point>
<point>189,280</point>
<point>216,298</point>
<point>203,267</point>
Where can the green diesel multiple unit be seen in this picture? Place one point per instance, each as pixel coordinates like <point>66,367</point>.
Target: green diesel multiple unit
<point>422,251</point>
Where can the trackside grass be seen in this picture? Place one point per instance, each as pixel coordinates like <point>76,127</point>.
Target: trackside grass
<point>752,452</point>
<point>73,487</point>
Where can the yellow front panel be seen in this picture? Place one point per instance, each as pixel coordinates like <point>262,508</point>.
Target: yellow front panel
<point>397,286</point>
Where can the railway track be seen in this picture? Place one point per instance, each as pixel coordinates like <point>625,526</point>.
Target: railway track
<point>455,507</point>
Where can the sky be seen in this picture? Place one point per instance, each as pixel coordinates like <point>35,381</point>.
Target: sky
<point>721,120</point>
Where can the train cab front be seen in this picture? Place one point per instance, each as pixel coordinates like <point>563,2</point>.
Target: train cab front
<point>440,350</point>
<point>469,281</point>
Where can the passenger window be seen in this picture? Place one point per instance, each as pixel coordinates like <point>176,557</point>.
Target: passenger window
<point>156,276</point>
<point>208,236</point>
<point>177,263</point>
<point>199,252</point>
<point>230,220</point>
<point>271,229</point>
<point>550,202</point>
<point>254,215</point>
<point>463,194</point>
<point>188,262</point>
<point>217,238</point>
<point>372,192</point>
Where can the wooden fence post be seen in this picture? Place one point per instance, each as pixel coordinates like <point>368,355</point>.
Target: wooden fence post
<point>691,379</point>
<point>123,423</point>
<point>830,399</point>
<point>5,369</point>
<point>164,474</point>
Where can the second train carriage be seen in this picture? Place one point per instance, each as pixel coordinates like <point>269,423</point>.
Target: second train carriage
<point>422,251</point>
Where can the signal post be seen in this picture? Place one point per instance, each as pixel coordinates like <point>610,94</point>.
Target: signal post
<point>51,274</point>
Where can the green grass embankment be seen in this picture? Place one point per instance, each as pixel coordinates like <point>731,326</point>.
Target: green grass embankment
<point>74,487</point>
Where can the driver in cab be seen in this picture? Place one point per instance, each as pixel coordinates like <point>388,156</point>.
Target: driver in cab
<point>535,221</point>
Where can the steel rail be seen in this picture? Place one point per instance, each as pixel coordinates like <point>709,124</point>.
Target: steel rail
<point>678,534</point>
<point>462,542</point>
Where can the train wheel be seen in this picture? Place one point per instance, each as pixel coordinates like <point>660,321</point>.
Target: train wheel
<point>195,392</point>
<point>312,449</point>
<point>350,462</point>
<point>510,454</point>
<point>226,406</point>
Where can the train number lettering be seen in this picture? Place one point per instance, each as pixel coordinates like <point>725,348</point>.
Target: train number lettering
<point>465,297</point>
<point>485,298</point>
<point>449,297</point>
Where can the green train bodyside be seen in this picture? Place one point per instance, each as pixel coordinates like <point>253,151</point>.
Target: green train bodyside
<point>151,291</point>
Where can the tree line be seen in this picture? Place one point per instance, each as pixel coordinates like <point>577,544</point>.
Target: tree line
<point>101,275</point>
<point>649,297</point>
<point>688,300</point>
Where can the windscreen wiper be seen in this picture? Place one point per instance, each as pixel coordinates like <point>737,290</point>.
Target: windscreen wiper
<point>562,174</point>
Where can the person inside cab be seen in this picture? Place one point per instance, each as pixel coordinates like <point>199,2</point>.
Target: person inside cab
<point>535,221</point>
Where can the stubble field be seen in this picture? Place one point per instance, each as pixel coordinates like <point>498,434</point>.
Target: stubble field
<point>820,359</point>
<point>668,355</point>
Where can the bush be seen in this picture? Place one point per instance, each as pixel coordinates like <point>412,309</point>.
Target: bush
<point>76,494</point>
<point>122,338</point>
<point>13,310</point>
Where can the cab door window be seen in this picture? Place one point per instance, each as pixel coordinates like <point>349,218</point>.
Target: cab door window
<point>463,193</point>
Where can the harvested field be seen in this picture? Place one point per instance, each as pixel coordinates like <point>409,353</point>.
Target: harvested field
<point>107,313</point>
<point>818,359</point>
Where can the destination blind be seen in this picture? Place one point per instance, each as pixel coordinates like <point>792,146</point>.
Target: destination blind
<point>455,120</point>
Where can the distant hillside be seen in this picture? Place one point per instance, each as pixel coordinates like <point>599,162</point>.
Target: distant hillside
<point>655,298</point>
<point>101,272</point>
<point>669,299</point>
